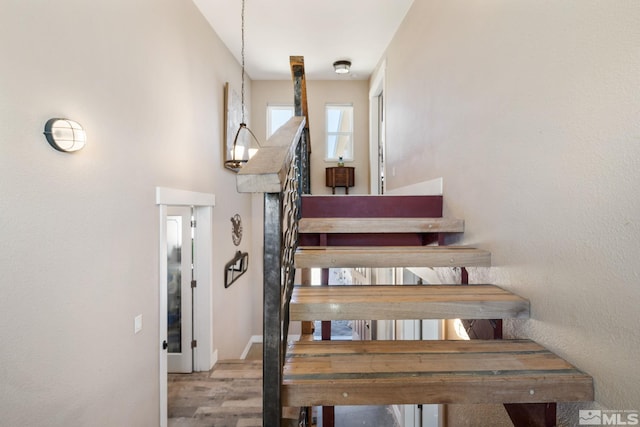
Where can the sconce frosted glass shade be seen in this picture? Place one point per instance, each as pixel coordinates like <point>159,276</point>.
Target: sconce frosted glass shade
<point>65,135</point>
<point>342,67</point>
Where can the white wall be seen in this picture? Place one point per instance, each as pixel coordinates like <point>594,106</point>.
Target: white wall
<point>79,253</point>
<point>320,93</point>
<point>529,111</point>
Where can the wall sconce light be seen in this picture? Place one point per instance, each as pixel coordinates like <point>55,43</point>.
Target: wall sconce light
<point>342,67</point>
<point>65,135</point>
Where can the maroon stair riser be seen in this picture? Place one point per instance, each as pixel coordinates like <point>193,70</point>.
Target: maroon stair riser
<point>371,206</point>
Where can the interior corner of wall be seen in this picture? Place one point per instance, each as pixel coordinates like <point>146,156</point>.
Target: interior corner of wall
<point>432,187</point>
<point>440,182</point>
<point>377,78</point>
<point>214,358</point>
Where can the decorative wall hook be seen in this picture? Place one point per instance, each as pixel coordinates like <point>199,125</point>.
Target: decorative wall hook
<point>236,268</point>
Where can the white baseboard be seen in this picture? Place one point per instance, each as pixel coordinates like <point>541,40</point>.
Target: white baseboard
<point>253,340</point>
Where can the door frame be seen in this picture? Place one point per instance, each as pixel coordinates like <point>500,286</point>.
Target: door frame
<point>376,88</point>
<point>203,357</point>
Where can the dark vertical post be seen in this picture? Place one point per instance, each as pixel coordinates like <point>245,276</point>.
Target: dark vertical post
<point>497,328</point>
<point>300,107</point>
<point>325,324</point>
<point>272,356</point>
<point>328,412</point>
<point>532,414</point>
<point>328,416</point>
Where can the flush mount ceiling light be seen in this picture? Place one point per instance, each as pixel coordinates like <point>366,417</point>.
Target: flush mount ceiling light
<point>65,135</point>
<point>342,67</point>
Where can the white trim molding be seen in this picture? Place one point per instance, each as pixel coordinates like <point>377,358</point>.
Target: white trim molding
<point>174,197</point>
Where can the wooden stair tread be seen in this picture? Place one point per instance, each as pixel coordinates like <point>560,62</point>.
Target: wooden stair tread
<point>391,256</point>
<point>414,372</point>
<point>382,302</point>
<point>381,225</point>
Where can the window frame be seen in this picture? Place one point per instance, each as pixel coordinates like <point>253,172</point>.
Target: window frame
<point>280,107</point>
<point>349,134</point>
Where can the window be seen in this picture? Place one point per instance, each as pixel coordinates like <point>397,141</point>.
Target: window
<point>277,115</point>
<point>339,131</point>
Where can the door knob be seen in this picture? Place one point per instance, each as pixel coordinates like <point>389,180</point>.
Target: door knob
<point>165,345</point>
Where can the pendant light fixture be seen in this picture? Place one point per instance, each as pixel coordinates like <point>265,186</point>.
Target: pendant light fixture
<point>238,158</point>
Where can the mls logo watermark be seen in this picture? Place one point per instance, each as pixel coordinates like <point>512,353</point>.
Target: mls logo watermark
<point>593,417</point>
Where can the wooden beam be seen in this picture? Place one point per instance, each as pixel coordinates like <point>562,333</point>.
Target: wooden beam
<point>267,170</point>
<point>300,103</point>
<point>300,91</point>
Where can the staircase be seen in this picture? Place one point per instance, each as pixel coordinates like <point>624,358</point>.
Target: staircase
<point>302,232</point>
<point>332,373</point>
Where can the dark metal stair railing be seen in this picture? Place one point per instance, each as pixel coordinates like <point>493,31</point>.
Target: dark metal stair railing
<point>280,241</point>
<point>277,170</point>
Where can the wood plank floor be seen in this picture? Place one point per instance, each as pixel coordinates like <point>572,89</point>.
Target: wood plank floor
<point>230,395</point>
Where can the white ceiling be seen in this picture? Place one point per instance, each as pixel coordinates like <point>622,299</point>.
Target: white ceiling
<point>323,31</point>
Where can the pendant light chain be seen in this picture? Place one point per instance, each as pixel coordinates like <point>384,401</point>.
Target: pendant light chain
<point>242,57</point>
<point>235,163</point>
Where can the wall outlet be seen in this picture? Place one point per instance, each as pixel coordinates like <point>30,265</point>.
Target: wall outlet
<point>137,324</point>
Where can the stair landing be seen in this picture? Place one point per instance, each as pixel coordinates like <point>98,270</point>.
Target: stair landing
<point>335,373</point>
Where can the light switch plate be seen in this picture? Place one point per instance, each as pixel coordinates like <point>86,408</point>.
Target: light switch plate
<point>137,323</point>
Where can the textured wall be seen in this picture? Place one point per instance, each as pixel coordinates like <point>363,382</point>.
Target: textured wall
<point>79,253</point>
<point>529,111</point>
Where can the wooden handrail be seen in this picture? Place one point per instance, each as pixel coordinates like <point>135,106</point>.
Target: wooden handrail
<point>266,171</point>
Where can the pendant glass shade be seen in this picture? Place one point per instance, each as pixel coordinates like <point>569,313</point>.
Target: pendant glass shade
<point>238,157</point>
